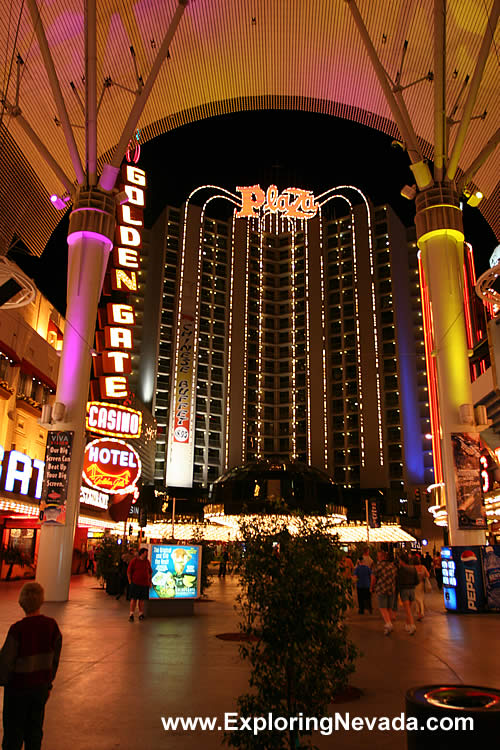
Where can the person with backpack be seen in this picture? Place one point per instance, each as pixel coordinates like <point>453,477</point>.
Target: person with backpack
<point>383,583</point>
<point>407,582</point>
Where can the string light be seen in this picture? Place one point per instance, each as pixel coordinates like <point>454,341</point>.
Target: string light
<point>260,333</point>
<point>294,351</point>
<point>245,346</point>
<point>431,369</point>
<point>229,345</point>
<point>323,338</point>
<point>305,227</point>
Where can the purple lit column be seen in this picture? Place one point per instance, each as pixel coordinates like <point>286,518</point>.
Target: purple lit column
<point>90,239</point>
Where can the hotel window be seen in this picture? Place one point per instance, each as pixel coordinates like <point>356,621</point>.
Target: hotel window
<point>394,434</point>
<point>393,417</point>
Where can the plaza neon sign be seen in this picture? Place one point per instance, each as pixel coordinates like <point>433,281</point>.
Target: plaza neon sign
<point>114,421</point>
<point>292,203</point>
<point>111,466</point>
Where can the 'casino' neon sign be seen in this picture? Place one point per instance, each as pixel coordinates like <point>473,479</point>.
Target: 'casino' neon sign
<point>292,203</point>
<point>114,421</point>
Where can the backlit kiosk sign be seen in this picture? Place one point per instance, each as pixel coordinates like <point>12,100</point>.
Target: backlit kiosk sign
<point>176,571</point>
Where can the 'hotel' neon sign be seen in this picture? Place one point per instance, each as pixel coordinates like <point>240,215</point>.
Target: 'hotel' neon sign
<point>292,203</point>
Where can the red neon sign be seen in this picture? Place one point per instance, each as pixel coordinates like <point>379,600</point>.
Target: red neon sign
<point>111,466</point>
<point>115,421</point>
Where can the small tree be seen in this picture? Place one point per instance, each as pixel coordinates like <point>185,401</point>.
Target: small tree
<point>292,606</point>
<point>107,555</point>
<point>207,556</point>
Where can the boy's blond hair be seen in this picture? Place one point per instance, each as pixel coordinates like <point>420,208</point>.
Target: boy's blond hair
<point>31,597</point>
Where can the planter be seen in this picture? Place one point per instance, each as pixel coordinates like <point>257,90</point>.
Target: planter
<point>23,405</point>
<point>5,393</point>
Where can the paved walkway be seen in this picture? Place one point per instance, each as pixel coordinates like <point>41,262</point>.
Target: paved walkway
<point>117,679</point>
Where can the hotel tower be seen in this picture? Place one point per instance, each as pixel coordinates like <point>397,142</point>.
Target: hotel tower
<point>291,330</point>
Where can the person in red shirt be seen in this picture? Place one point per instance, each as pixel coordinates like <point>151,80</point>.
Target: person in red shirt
<point>28,664</point>
<point>139,574</point>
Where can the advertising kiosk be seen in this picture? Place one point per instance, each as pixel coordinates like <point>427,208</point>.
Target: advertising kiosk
<point>176,579</point>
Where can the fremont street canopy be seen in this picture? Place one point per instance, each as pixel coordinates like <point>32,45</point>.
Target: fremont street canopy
<point>231,55</point>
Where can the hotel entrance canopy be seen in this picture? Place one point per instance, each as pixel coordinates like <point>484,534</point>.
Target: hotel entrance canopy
<point>227,56</point>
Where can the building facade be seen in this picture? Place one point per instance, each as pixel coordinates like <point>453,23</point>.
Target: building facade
<point>289,338</point>
<point>30,345</point>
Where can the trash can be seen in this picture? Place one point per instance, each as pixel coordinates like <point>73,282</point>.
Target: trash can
<point>452,716</point>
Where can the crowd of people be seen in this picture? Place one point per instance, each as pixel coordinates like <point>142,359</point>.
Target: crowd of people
<point>394,580</point>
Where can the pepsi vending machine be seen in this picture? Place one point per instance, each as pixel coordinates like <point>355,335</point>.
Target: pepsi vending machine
<point>463,587</point>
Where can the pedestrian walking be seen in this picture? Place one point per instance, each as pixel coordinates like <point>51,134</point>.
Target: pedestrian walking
<point>223,564</point>
<point>139,574</point>
<point>427,562</point>
<point>28,664</point>
<point>90,567</point>
<point>407,579</point>
<point>423,577</point>
<point>383,583</point>
<point>125,561</point>
<point>363,576</point>
<point>438,572</point>
<point>366,558</point>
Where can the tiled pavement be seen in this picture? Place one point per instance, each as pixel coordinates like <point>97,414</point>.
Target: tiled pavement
<point>117,679</point>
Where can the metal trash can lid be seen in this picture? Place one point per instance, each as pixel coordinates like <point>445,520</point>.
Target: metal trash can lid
<point>463,697</point>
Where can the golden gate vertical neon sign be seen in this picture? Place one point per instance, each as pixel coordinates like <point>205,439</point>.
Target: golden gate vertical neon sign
<point>114,342</point>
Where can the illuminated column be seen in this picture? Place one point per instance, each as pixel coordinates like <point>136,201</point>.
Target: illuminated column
<point>440,239</point>
<point>90,238</point>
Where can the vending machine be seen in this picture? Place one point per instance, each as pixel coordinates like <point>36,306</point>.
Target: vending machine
<point>463,586</point>
<point>491,572</point>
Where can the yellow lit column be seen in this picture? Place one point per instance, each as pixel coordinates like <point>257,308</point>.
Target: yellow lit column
<point>440,240</point>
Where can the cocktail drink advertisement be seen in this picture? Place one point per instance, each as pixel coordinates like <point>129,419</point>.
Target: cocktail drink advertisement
<point>176,571</point>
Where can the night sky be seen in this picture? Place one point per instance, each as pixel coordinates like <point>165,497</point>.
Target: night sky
<point>286,148</point>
